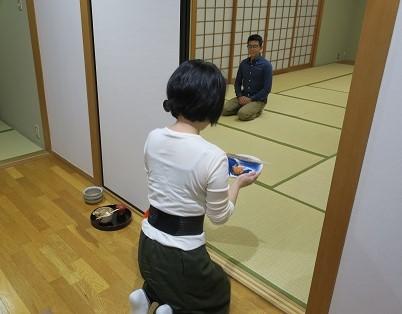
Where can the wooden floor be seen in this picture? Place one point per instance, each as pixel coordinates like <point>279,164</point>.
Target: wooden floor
<point>53,261</point>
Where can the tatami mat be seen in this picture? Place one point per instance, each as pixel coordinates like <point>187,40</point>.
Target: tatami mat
<point>311,186</point>
<point>308,76</point>
<point>306,109</point>
<point>4,126</point>
<point>273,237</point>
<point>340,83</point>
<point>283,161</point>
<point>301,134</point>
<point>13,144</point>
<point>275,230</point>
<point>326,96</point>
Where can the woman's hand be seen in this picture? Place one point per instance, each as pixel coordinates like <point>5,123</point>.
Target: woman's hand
<point>241,181</point>
<point>247,178</point>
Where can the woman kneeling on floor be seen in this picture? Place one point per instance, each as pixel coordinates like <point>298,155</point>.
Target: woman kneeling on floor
<point>187,179</point>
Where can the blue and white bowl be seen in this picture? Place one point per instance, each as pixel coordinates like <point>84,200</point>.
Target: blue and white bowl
<point>241,163</point>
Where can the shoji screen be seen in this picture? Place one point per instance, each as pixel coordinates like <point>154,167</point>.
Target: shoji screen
<point>221,29</point>
<point>136,51</point>
<point>280,33</point>
<point>60,40</point>
<point>213,30</point>
<point>250,19</point>
<point>306,19</point>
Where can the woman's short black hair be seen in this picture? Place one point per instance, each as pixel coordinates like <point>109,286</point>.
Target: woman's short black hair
<point>196,91</point>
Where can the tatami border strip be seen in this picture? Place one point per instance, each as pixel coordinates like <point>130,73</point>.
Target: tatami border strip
<point>332,78</point>
<point>319,102</point>
<point>335,77</point>
<point>325,88</point>
<point>258,276</point>
<point>289,196</point>
<point>274,141</point>
<point>302,171</point>
<point>303,119</point>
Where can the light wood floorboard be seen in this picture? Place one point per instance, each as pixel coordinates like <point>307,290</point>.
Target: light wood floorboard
<point>53,261</point>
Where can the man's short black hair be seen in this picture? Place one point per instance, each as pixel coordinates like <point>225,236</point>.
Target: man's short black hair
<point>255,37</point>
<point>196,90</point>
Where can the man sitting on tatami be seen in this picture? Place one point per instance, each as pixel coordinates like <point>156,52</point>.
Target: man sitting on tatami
<point>253,83</point>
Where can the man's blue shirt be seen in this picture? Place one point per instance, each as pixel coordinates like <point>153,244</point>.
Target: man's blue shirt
<point>254,79</point>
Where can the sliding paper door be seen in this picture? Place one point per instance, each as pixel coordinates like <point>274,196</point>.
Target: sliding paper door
<point>220,29</point>
<point>136,49</point>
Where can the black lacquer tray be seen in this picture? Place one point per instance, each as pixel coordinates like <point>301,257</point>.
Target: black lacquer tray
<point>120,219</point>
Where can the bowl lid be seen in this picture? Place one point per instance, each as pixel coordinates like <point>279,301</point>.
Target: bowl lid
<point>93,190</point>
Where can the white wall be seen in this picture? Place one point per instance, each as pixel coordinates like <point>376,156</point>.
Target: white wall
<point>62,56</point>
<point>340,29</point>
<point>370,275</point>
<point>136,51</point>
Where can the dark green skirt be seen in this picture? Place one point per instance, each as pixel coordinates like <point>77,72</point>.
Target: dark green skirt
<point>189,281</point>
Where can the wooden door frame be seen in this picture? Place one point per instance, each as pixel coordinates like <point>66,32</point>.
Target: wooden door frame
<point>372,53</point>
<point>92,90</point>
<point>375,39</point>
<point>33,30</point>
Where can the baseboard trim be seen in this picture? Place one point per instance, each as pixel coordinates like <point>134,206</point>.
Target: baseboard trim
<point>22,159</point>
<point>65,161</point>
<point>349,62</point>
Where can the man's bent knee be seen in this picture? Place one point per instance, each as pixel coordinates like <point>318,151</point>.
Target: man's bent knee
<point>246,116</point>
<point>227,112</point>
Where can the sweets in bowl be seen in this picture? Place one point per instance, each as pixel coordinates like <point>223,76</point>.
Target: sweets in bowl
<point>110,217</point>
<point>104,214</point>
<point>240,164</point>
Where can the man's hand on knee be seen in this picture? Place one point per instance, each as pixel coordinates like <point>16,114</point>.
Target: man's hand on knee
<point>243,100</point>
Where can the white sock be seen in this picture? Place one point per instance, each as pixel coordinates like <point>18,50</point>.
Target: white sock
<point>164,309</point>
<point>139,302</point>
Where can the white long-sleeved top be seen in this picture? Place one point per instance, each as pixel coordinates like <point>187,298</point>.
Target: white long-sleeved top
<point>187,176</point>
